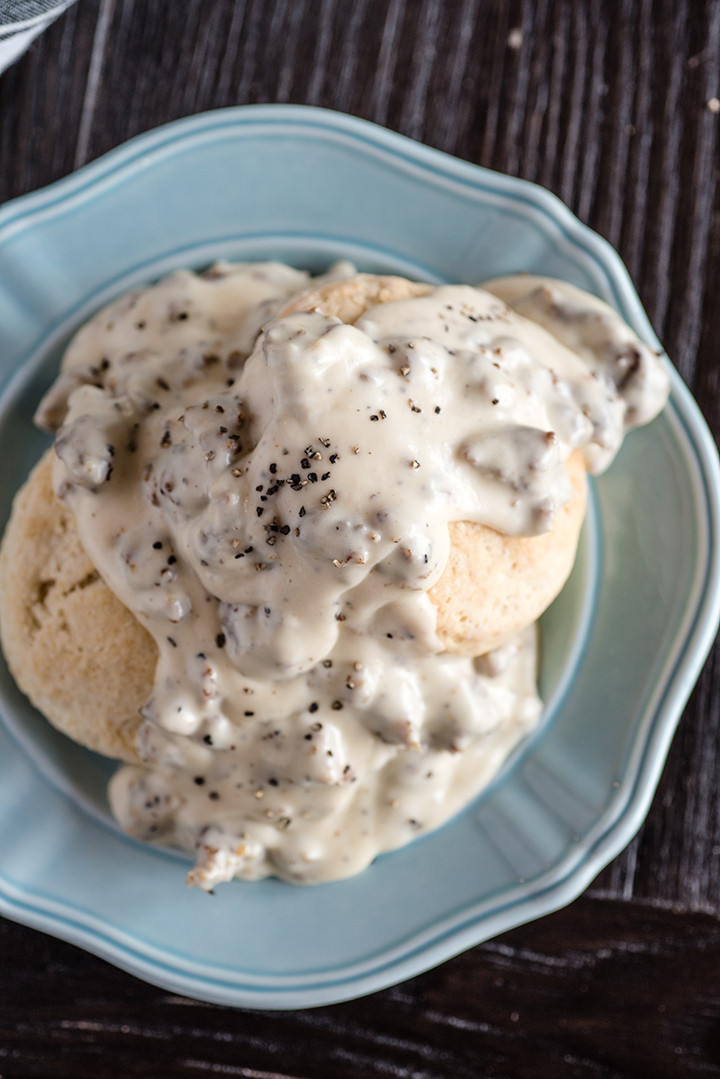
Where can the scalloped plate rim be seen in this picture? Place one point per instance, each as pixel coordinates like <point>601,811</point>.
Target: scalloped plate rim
<point>567,878</point>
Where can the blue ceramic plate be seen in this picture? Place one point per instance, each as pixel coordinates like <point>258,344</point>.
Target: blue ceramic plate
<point>622,646</point>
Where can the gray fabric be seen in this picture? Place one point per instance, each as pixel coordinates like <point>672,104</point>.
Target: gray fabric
<point>14,11</point>
<point>20,23</point>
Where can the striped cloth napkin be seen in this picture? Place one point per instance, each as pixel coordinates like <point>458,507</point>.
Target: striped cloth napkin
<point>20,23</point>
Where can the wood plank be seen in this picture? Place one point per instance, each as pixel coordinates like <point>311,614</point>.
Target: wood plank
<point>600,989</point>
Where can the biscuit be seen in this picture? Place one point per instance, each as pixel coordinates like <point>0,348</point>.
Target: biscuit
<point>83,660</point>
<point>494,585</point>
<point>88,665</point>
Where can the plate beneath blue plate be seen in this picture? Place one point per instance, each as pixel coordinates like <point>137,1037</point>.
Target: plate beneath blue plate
<point>622,646</point>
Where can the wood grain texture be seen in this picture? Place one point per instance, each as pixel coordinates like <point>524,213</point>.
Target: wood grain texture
<point>606,104</point>
<point>600,990</point>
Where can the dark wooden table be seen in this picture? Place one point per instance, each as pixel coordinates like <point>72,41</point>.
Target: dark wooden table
<point>612,104</point>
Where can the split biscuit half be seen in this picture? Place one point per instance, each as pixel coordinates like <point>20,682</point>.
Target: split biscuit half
<point>80,656</point>
<point>494,585</point>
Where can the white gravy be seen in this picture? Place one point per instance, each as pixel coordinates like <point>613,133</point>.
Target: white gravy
<point>270,497</point>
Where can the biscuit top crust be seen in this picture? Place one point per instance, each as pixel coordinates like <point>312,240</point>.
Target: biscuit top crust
<point>274,508</point>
